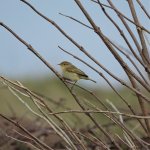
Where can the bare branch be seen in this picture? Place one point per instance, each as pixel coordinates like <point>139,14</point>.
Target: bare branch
<point>27,132</point>
<point>143,8</point>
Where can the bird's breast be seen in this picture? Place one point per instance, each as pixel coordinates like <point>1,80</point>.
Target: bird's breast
<point>71,76</point>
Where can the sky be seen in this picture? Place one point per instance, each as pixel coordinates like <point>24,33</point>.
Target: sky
<point>17,62</point>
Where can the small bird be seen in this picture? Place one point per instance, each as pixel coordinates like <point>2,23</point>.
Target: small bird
<point>72,73</point>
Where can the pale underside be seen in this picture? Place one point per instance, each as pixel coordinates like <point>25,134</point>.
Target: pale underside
<point>73,76</point>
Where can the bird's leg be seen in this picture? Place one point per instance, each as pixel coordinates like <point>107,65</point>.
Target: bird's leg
<point>73,85</point>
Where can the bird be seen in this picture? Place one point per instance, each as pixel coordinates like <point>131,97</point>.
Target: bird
<point>72,73</point>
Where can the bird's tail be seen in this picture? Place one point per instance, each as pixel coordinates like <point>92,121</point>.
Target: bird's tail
<point>92,80</point>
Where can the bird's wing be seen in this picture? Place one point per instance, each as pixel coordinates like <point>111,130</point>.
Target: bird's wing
<point>77,71</point>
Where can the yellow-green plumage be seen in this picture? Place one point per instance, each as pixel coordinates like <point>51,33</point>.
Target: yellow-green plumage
<point>72,73</point>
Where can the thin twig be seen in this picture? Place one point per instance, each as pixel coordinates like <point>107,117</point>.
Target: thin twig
<point>121,14</point>
<point>48,65</point>
<point>83,50</point>
<point>27,132</point>
<point>94,111</point>
<point>128,71</point>
<point>143,8</point>
<point>145,57</point>
<point>132,110</point>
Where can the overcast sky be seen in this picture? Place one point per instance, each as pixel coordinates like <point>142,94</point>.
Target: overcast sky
<point>17,62</point>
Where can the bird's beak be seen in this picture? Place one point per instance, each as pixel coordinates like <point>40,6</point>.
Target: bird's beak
<point>58,64</point>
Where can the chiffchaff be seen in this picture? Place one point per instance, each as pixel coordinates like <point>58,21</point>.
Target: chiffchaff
<point>72,73</point>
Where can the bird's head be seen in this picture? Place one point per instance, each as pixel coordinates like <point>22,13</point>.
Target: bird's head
<point>65,64</point>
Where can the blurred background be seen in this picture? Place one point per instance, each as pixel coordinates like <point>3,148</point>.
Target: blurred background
<point>18,63</point>
<point>21,66</point>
